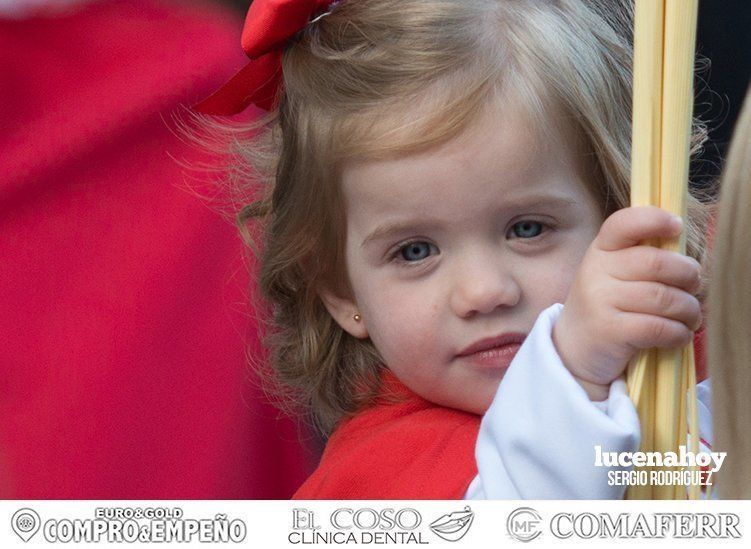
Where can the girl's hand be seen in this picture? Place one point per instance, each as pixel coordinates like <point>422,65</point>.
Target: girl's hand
<point>627,297</point>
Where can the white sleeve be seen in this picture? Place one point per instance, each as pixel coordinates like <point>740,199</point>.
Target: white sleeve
<point>537,440</point>
<point>704,409</point>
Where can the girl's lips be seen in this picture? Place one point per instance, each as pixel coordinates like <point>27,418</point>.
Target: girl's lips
<point>494,352</point>
<point>495,357</point>
<point>495,342</point>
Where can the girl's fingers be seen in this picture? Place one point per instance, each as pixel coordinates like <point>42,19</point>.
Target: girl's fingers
<point>660,301</point>
<point>631,226</point>
<point>644,331</point>
<point>647,263</point>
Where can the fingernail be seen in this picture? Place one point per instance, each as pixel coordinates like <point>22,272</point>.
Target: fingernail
<point>677,222</point>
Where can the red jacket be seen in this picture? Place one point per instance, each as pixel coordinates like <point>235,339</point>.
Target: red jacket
<point>408,449</point>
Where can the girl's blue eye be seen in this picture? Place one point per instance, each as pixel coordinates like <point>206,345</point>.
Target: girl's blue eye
<point>527,229</point>
<point>416,251</point>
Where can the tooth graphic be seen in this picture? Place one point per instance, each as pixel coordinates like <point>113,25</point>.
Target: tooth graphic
<point>453,526</point>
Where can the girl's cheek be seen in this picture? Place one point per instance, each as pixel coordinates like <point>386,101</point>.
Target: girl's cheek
<point>559,285</point>
<point>404,330</point>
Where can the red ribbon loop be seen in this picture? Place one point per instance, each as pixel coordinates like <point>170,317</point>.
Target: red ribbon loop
<point>269,26</point>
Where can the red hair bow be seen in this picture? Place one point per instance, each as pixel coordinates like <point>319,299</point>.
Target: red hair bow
<point>269,25</point>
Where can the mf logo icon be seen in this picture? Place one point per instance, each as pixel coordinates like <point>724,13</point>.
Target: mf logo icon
<point>523,524</point>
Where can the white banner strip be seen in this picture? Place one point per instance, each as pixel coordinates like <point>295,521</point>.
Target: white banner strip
<point>273,524</point>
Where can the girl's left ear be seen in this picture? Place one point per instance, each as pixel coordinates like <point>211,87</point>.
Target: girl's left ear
<point>345,312</point>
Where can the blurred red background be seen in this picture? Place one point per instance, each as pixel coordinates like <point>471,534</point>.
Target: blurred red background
<point>124,314</point>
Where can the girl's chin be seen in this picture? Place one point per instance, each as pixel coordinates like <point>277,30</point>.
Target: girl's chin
<point>473,402</point>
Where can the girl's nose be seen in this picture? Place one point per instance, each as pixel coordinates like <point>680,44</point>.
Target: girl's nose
<point>481,289</point>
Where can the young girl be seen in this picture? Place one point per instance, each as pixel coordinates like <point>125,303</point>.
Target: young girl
<point>446,239</point>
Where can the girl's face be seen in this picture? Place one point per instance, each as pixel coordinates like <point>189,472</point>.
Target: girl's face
<point>452,253</point>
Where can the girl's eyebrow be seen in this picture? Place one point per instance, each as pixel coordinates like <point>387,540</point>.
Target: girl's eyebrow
<point>389,230</point>
<point>550,201</point>
<point>542,201</point>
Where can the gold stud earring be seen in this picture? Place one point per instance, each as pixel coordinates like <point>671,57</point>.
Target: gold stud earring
<point>357,318</point>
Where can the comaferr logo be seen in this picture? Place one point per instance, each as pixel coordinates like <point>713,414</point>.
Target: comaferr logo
<point>640,525</point>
